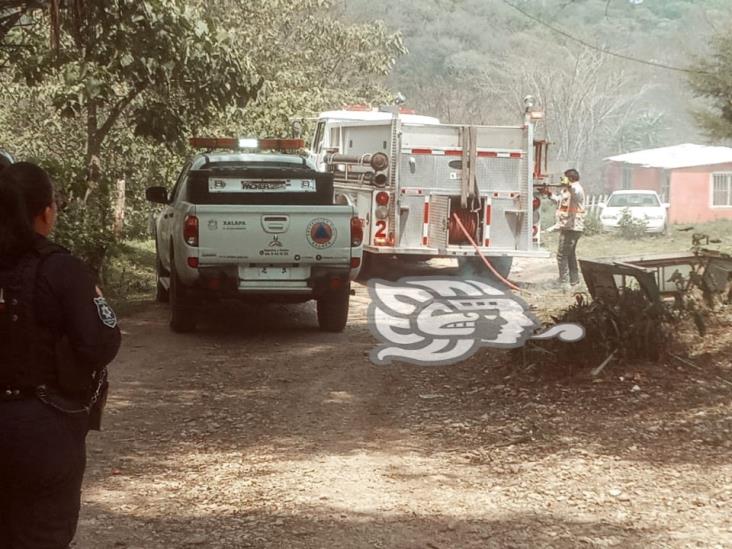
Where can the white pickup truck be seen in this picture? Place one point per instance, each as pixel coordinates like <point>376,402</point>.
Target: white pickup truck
<point>254,226</point>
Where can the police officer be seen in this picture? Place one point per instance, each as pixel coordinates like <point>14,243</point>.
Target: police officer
<point>57,334</point>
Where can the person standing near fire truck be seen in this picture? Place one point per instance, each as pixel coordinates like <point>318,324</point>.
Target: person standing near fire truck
<point>570,222</point>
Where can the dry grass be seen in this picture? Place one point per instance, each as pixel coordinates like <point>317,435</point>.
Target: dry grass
<point>608,245</point>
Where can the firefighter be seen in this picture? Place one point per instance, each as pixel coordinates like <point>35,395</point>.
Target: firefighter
<point>57,334</point>
<point>570,218</point>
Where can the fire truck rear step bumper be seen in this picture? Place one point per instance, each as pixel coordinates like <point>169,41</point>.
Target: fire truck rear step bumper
<point>456,251</point>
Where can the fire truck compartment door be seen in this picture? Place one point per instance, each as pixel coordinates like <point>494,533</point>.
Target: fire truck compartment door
<point>411,223</point>
<point>438,221</point>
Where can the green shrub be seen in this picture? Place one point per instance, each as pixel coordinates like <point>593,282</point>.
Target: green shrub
<point>630,227</point>
<point>81,229</point>
<point>592,224</point>
<point>548,213</point>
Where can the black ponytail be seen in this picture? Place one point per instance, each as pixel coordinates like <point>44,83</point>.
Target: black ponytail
<point>25,192</point>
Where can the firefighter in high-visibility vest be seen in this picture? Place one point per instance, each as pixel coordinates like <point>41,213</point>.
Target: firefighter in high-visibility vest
<point>570,223</point>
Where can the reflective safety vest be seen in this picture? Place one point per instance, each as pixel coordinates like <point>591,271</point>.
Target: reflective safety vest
<point>571,208</point>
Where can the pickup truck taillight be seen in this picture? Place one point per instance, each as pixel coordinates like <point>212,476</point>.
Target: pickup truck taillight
<point>356,232</point>
<point>190,230</point>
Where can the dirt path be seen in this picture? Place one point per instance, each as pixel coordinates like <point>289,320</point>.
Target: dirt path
<point>260,431</point>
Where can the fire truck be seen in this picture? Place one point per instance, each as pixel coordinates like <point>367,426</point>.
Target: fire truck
<point>429,190</point>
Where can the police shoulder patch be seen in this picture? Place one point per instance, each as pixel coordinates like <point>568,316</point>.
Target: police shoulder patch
<point>105,312</point>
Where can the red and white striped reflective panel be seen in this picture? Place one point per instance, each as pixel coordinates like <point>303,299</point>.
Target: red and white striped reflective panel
<point>426,221</point>
<point>487,223</point>
<point>459,152</point>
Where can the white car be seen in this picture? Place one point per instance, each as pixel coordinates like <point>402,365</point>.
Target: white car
<point>642,205</point>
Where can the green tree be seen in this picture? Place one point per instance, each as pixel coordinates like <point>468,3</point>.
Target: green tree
<point>714,83</point>
<point>310,57</point>
<point>132,75</point>
<point>472,61</point>
<point>156,66</point>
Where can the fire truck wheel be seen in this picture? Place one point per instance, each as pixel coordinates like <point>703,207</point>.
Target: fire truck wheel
<point>333,309</point>
<point>474,266</point>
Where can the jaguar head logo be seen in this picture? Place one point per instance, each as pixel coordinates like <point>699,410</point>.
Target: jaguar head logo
<point>446,320</point>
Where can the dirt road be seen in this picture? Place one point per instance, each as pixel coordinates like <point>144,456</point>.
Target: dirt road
<point>260,431</point>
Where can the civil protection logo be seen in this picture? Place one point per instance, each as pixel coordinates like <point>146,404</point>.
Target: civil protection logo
<point>438,321</point>
<point>321,233</point>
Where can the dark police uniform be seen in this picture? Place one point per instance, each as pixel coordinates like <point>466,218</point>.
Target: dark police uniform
<point>56,337</point>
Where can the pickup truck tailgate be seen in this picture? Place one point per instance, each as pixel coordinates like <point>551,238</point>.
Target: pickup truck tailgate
<point>274,235</point>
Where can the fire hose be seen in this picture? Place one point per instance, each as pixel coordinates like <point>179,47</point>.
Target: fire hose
<point>469,222</point>
<point>487,263</point>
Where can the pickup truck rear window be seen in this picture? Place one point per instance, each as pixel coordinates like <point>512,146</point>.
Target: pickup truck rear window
<point>267,186</point>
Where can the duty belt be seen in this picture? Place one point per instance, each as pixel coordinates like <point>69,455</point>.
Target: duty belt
<point>62,403</point>
<point>12,393</point>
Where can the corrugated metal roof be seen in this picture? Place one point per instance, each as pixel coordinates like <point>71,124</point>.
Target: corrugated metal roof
<point>678,156</point>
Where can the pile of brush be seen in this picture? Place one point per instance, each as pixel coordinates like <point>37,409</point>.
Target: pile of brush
<point>630,329</point>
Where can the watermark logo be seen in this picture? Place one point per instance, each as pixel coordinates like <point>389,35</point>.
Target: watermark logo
<point>437,321</point>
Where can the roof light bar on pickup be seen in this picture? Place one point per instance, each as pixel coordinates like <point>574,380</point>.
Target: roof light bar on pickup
<point>248,143</point>
<point>233,143</point>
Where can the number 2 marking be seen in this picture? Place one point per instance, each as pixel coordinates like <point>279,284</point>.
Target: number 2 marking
<point>381,229</point>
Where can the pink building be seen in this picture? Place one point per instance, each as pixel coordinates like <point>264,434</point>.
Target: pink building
<point>695,180</point>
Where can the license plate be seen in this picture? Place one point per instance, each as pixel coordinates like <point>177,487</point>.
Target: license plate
<point>274,272</point>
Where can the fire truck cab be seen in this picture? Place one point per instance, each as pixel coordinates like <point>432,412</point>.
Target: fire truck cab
<point>425,189</point>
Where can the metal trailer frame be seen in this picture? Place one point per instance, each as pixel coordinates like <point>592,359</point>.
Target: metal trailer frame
<point>659,276</point>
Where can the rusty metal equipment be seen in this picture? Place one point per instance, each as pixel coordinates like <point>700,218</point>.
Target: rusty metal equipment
<point>641,306</point>
<point>659,276</point>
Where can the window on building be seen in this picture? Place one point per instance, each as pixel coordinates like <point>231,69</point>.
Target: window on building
<point>627,178</point>
<point>722,189</point>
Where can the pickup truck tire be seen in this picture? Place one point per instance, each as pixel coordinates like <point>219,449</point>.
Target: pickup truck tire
<point>182,313</point>
<point>474,266</point>
<point>333,309</point>
<point>162,295</point>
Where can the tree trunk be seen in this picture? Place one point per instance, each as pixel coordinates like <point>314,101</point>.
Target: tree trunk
<point>93,148</point>
<point>94,198</point>
<point>119,209</point>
